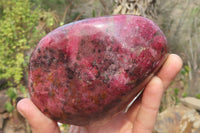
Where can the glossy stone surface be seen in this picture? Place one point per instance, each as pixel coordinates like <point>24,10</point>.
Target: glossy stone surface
<point>91,69</point>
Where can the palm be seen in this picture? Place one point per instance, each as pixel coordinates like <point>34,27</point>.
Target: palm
<point>117,124</point>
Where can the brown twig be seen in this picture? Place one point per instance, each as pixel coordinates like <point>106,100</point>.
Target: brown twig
<point>66,10</point>
<point>77,18</point>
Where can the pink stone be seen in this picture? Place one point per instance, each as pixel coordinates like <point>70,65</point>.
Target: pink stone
<point>91,69</point>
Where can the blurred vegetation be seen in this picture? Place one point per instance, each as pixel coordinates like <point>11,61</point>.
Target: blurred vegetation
<point>180,21</point>
<point>63,8</point>
<point>20,31</point>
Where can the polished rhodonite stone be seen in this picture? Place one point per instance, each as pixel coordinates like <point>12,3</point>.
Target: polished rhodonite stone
<point>91,69</point>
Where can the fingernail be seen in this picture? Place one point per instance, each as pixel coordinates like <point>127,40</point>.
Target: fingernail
<point>18,99</point>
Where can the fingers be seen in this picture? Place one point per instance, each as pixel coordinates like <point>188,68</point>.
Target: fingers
<point>38,122</point>
<point>146,116</point>
<point>170,69</point>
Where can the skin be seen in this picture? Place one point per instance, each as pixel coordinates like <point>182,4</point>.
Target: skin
<point>140,118</point>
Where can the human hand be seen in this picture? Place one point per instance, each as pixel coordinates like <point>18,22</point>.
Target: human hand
<point>140,118</point>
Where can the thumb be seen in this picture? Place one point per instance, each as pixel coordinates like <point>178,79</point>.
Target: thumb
<point>38,121</point>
